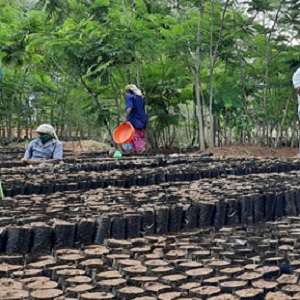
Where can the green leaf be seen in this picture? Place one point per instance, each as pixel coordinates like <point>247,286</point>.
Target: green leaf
<point>100,3</point>
<point>178,30</point>
<point>37,58</point>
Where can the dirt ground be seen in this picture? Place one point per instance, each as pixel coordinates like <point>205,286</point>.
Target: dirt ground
<point>86,146</point>
<point>233,150</point>
<point>248,150</point>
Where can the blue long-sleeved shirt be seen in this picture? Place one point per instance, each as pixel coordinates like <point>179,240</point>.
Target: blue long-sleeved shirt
<point>51,150</point>
<point>137,117</point>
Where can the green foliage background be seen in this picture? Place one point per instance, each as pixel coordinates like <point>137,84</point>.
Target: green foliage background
<point>212,71</point>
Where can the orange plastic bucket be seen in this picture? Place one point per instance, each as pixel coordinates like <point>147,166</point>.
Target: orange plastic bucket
<point>124,133</point>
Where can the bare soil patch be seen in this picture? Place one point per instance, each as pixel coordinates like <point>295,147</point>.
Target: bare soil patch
<point>248,150</point>
<point>86,146</point>
<point>232,150</point>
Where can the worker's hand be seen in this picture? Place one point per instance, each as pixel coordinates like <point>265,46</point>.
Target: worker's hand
<point>24,160</point>
<point>31,161</point>
<point>298,90</point>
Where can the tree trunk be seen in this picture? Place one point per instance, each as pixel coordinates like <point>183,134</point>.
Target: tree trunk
<point>196,69</point>
<point>213,59</point>
<point>199,113</point>
<point>282,121</point>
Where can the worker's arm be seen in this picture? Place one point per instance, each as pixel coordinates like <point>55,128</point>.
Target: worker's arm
<point>58,152</point>
<point>28,152</point>
<point>127,113</point>
<point>39,161</point>
<point>31,161</point>
<point>129,107</point>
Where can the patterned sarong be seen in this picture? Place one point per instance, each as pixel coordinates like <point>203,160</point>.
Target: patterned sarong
<point>139,141</point>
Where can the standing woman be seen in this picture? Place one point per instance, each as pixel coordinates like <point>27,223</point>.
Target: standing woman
<point>136,115</point>
<point>296,83</point>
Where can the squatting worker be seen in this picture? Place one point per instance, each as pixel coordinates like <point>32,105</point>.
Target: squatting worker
<point>46,148</point>
<point>296,83</point>
<point>136,115</point>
